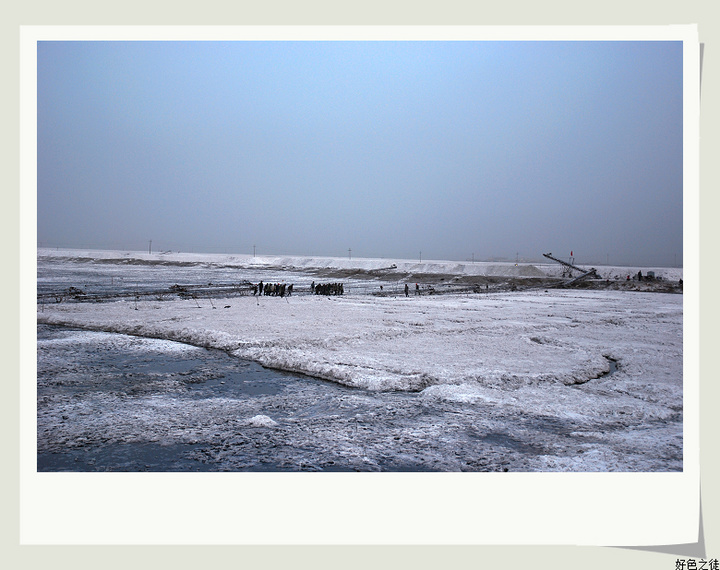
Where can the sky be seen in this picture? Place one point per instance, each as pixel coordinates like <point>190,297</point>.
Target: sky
<point>452,150</point>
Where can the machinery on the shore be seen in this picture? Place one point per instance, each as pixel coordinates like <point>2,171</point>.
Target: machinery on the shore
<point>569,267</point>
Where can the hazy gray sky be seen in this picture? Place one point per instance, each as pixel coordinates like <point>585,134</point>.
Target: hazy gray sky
<point>452,149</point>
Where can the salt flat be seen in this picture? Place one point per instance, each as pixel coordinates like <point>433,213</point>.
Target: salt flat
<point>541,352</point>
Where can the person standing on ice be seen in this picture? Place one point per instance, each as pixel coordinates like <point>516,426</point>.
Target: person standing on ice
<point>407,290</point>
<point>417,289</point>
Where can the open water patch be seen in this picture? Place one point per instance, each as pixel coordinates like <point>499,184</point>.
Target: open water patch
<point>124,457</point>
<point>122,364</point>
<point>612,369</point>
<point>113,402</point>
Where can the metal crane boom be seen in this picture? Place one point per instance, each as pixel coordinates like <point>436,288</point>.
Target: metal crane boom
<point>586,273</point>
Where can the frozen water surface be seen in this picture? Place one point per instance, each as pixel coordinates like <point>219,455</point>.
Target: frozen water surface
<point>531,380</point>
<point>116,402</point>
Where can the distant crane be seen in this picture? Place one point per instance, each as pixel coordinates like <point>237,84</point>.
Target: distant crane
<point>584,273</point>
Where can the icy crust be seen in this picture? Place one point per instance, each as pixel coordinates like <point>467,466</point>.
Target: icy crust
<point>111,339</point>
<point>379,344</point>
<point>548,352</point>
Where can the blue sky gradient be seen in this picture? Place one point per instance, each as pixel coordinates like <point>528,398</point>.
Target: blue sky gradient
<point>456,149</point>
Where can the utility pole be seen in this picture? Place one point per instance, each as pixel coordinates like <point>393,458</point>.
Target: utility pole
<point>150,247</point>
<point>253,251</point>
<point>421,257</point>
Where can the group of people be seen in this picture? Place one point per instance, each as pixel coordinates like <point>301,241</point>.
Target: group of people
<point>638,276</point>
<point>273,289</point>
<point>327,289</point>
<point>283,290</point>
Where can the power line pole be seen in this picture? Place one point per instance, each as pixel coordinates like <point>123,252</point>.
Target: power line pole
<point>150,247</point>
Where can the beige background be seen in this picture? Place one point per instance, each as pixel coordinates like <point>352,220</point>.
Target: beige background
<point>546,13</point>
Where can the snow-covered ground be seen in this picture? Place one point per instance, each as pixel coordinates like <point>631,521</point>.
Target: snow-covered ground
<point>539,353</point>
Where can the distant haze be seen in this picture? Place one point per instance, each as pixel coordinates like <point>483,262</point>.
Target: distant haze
<point>445,150</point>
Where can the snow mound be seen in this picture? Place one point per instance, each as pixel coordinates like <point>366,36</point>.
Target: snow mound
<point>261,421</point>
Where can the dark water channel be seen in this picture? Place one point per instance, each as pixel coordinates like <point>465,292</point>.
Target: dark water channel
<point>120,403</point>
<point>114,375</point>
<point>111,402</point>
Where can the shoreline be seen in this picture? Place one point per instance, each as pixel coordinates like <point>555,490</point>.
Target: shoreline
<point>449,274</point>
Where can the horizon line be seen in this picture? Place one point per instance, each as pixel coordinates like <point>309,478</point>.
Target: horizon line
<point>233,251</point>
